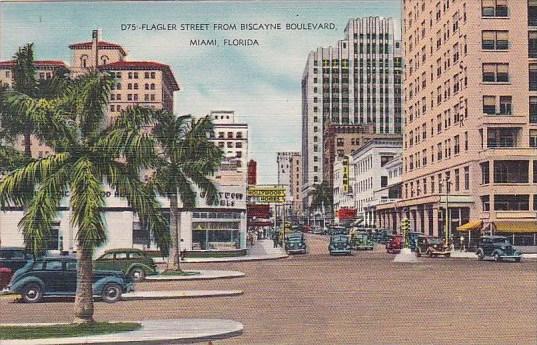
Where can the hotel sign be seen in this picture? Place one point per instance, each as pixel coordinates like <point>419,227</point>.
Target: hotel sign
<point>267,193</point>
<point>345,174</point>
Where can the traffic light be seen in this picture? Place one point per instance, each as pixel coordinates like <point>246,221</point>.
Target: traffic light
<point>405,229</point>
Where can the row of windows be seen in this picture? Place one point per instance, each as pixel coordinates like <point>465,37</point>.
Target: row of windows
<point>230,135</point>
<point>508,202</point>
<point>133,97</point>
<point>454,115</point>
<point>442,150</point>
<point>238,144</point>
<point>439,183</point>
<point>133,86</point>
<point>133,75</point>
<point>507,171</point>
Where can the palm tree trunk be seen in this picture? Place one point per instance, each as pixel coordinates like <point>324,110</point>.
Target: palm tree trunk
<point>175,252</point>
<point>84,291</point>
<point>27,141</point>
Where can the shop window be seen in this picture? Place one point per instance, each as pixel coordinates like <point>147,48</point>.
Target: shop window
<point>514,202</point>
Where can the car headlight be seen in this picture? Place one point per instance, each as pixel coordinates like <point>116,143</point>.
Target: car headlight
<point>502,248</point>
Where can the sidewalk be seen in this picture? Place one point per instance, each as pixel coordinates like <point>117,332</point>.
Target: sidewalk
<point>176,294</point>
<point>261,250</point>
<point>472,255</point>
<point>203,275</point>
<point>178,331</point>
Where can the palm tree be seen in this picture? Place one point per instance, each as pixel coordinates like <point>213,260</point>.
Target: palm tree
<point>16,121</point>
<point>89,155</point>
<point>322,197</point>
<point>186,157</point>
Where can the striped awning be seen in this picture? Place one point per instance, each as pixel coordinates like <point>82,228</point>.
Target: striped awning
<point>516,227</point>
<point>471,226</point>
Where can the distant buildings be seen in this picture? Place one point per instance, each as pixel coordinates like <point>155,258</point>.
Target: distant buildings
<point>289,175</point>
<point>357,82</point>
<point>252,172</point>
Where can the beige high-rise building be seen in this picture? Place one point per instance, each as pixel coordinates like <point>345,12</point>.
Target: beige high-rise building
<point>470,138</point>
<point>290,175</point>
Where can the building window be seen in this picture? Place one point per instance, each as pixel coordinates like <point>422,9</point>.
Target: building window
<point>485,173</point>
<point>496,72</point>
<point>532,43</point>
<point>533,138</point>
<point>485,202</point>
<point>238,145</point>
<point>532,12</point>
<point>502,137</point>
<point>494,8</point>
<point>456,148</point>
<point>466,178</point>
<point>506,105</point>
<point>533,77</point>
<point>495,40</point>
<point>511,171</point>
<point>457,180</point>
<point>514,202</point>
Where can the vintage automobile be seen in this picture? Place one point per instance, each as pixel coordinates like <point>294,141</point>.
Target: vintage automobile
<point>497,247</point>
<point>339,244</point>
<point>381,236</point>
<point>295,243</point>
<point>133,262</point>
<point>360,240</point>
<point>422,244</point>
<point>338,230</point>
<point>395,244</point>
<point>57,277</point>
<point>436,247</point>
<point>14,257</point>
<point>413,237</point>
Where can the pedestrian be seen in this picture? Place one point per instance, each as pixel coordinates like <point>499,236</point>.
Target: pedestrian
<point>462,243</point>
<point>275,239</point>
<point>182,249</point>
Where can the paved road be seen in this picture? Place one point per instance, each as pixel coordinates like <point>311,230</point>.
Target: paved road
<point>362,299</point>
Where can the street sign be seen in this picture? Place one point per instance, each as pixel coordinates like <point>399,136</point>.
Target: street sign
<point>345,174</point>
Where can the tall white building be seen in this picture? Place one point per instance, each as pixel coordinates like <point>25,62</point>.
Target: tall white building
<point>289,175</point>
<point>371,176</point>
<point>232,137</point>
<point>358,81</point>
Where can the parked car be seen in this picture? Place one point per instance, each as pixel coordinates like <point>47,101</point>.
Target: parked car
<point>133,262</point>
<point>413,237</point>
<point>339,244</point>
<point>395,244</point>
<point>57,277</point>
<point>295,243</point>
<point>361,241</point>
<point>497,247</point>
<point>381,236</point>
<point>436,247</point>
<point>14,257</point>
<point>338,230</point>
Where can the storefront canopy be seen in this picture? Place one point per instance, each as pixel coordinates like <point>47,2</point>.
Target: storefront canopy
<point>516,227</point>
<point>471,226</point>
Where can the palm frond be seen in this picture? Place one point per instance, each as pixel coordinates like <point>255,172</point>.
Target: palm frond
<point>87,201</point>
<point>41,211</point>
<point>18,186</point>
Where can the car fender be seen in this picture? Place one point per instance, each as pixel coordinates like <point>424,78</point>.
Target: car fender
<point>21,283</point>
<point>145,267</point>
<point>100,284</point>
<point>497,251</point>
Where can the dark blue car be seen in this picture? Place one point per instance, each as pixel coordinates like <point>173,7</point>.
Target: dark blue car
<point>57,277</point>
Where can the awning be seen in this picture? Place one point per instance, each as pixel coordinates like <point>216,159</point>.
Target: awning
<point>471,226</point>
<point>516,227</point>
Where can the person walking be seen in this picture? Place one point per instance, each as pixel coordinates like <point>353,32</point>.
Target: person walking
<point>275,239</point>
<point>182,250</point>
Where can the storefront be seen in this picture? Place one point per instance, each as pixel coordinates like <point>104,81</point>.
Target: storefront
<point>208,227</point>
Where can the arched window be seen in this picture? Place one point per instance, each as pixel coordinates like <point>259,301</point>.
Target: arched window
<point>84,61</point>
<point>104,59</point>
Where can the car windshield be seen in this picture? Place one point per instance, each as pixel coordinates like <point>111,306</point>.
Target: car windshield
<point>295,238</point>
<point>501,240</point>
<point>339,238</point>
<point>435,241</point>
<point>11,254</point>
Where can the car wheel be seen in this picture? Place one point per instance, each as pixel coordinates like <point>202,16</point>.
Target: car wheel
<point>137,274</point>
<point>497,257</point>
<point>480,255</point>
<point>430,254</point>
<point>111,293</point>
<point>32,293</point>
<point>448,255</point>
<point>517,259</point>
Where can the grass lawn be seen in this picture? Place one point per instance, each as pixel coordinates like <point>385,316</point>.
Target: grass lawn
<point>178,273</point>
<point>65,330</point>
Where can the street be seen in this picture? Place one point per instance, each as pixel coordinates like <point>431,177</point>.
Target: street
<point>361,299</point>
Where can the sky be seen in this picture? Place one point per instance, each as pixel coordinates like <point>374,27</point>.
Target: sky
<point>262,84</point>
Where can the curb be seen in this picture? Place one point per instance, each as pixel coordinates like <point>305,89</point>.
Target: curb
<point>181,294</point>
<point>204,275</point>
<point>179,331</point>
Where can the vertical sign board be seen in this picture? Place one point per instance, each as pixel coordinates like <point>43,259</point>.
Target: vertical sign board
<point>345,174</point>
